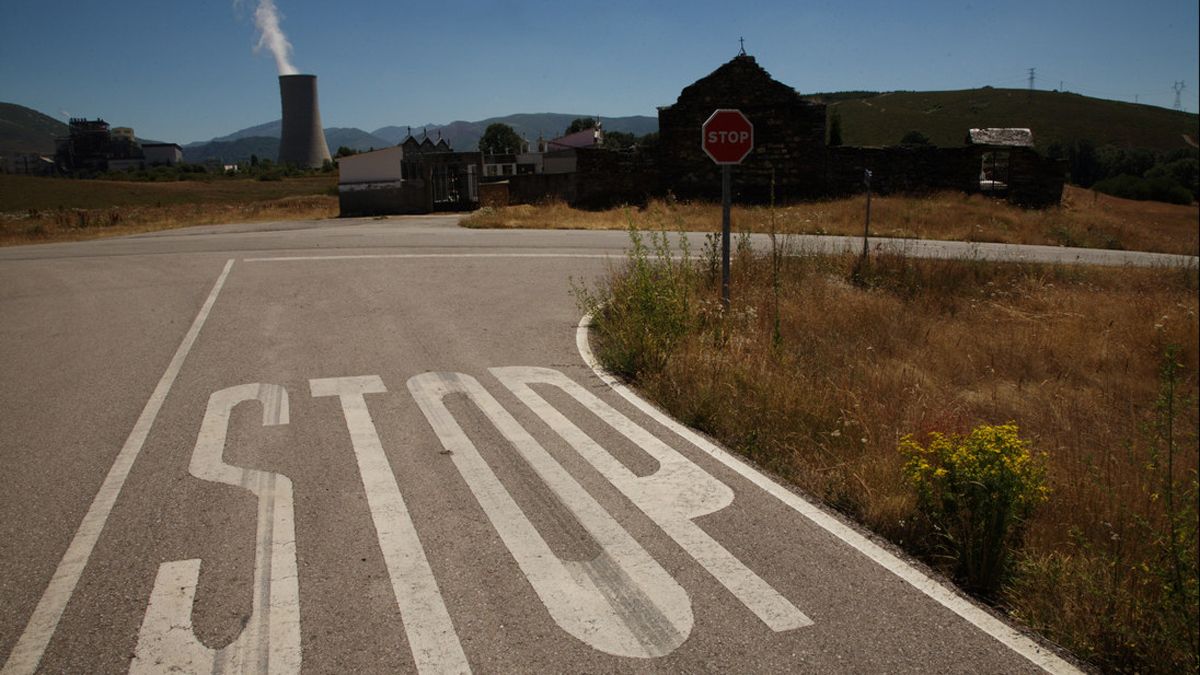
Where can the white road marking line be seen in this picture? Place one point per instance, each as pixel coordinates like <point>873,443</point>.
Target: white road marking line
<point>997,629</point>
<point>431,636</point>
<point>672,496</point>
<point>622,602</point>
<point>413,256</point>
<point>270,638</point>
<point>834,245</point>
<point>27,654</point>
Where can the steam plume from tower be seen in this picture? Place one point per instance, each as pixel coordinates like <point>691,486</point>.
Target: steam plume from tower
<point>266,18</point>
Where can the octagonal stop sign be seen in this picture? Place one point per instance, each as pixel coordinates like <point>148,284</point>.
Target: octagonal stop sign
<point>727,136</point>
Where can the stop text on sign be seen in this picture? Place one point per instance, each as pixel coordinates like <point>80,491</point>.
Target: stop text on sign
<point>727,136</point>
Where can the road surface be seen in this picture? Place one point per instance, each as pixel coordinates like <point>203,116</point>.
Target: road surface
<point>382,446</point>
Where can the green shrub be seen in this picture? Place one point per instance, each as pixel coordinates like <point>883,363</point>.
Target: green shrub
<point>977,491</point>
<point>1185,171</point>
<point>652,301</point>
<point>1161,189</point>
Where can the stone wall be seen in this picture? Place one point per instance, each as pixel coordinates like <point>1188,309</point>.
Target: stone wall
<point>604,178</point>
<point>901,169</point>
<point>493,195</point>
<point>532,188</point>
<point>610,178</point>
<point>410,197</point>
<point>1034,180</point>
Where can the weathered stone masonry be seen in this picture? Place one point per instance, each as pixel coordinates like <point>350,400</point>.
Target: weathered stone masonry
<point>789,137</point>
<point>790,141</point>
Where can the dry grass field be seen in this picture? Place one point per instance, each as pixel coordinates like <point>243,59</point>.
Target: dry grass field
<point>34,209</point>
<point>823,366</point>
<point>1085,218</point>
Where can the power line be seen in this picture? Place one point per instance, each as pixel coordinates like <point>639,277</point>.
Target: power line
<point>1178,87</point>
<point>1031,73</point>
<point>1157,95</point>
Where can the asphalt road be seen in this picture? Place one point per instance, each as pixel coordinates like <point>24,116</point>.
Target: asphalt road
<point>379,446</point>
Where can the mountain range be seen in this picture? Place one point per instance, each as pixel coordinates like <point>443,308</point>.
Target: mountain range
<point>867,118</point>
<point>263,139</point>
<point>24,130</point>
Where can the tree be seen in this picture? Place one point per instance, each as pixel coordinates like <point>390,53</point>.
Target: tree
<point>835,128</point>
<point>580,124</point>
<point>344,151</point>
<point>500,139</point>
<point>1082,164</point>
<point>619,140</point>
<point>914,138</point>
<point>1185,172</point>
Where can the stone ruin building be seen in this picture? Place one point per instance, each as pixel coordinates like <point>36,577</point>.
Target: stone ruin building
<point>789,141</point>
<point>789,137</point>
<point>790,152</point>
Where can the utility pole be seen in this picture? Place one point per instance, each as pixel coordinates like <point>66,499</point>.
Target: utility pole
<point>1031,74</point>
<point>1178,87</point>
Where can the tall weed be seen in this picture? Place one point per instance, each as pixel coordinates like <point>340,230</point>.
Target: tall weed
<point>647,307</point>
<point>822,389</point>
<point>977,491</point>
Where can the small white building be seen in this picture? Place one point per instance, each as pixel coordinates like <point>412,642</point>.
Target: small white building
<point>500,165</point>
<point>371,170</point>
<point>994,169</point>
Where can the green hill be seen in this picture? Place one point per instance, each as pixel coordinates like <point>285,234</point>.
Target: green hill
<point>26,130</point>
<point>945,116</point>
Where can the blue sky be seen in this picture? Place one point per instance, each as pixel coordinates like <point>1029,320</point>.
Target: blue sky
<point>186,70</point>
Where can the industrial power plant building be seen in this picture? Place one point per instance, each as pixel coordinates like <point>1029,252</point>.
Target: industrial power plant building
<point>92,146</point>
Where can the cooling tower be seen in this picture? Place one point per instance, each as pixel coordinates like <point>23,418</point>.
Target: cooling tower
<point>302,142</point>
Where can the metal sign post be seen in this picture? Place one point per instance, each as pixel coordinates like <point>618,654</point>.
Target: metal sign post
<point>727,137</point>
<point>867,227</point>
<point>726,198</point>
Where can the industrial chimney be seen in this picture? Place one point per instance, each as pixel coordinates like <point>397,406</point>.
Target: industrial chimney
<point>303,141</point>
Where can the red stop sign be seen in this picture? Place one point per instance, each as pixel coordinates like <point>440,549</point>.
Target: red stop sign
<point>727,136</point>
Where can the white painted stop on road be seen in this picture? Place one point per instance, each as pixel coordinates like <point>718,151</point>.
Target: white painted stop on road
<point>727,136</point>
